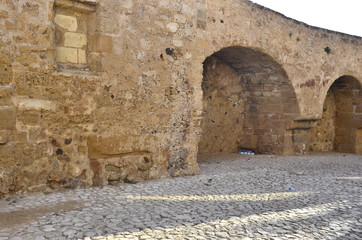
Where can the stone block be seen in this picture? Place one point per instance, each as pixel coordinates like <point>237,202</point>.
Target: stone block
<point>358,108</point>
<point>345,148</point>
<point>106,147</point>
<point>269,140</point>
<point>76,40</point>
<point>7,118</point>
<point>29,117</point>
<point>132,166</point>
<point>5,136</point>
<point>66,55</point>
<point>31,104</point>
<point>6,76</point>
<point>343,131</point>
<point>301,136</point>
<point>101,43</point>
<point>5,93</point>
<point>67,22</point>
<point>82,56</point>
<point>343,119</point>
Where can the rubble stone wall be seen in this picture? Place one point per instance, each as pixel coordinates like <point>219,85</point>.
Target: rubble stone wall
<point>95,92</point>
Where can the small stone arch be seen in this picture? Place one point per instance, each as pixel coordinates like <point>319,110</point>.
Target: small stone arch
<point>248,102</point>
<point>340,127</point>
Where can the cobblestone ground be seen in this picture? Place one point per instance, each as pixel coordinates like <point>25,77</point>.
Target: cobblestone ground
<point>234,197</point>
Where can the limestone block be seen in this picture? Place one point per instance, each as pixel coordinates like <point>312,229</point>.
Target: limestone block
<point>77,40</point>
<point>7,118</point>
<point>66,55</point>
<point>31,104</point>
<point>67,22</point>
<point>82,57</point>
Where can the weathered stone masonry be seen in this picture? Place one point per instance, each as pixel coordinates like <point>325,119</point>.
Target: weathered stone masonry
<point>94,92</point>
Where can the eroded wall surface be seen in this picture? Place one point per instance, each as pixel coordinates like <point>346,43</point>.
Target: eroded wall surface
<point>249,103</point>
<point>96,92</point>
<point>224,99</point>
<point>323,135</point>
<point>338,130</point>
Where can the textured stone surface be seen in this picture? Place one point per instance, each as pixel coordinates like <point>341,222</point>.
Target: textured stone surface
<point>76,40</point>
<point>224,202</point>
<point>140,74</point>
<point>67,55</point>
<point>67,22</point>
<point>323,136</point>
<point>223,108</point>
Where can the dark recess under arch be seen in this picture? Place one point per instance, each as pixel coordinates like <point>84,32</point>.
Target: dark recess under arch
<point>249,102</point>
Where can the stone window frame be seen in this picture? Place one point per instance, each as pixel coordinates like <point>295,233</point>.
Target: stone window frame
<point>88,8</point>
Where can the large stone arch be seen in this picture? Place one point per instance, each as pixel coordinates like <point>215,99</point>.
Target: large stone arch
<point>249,102</point>
<point>340,127</point>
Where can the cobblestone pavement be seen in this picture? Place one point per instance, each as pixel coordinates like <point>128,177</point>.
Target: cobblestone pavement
<point>234,197</point>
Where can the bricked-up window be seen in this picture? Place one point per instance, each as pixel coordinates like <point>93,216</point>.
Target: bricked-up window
<point>72,25</point>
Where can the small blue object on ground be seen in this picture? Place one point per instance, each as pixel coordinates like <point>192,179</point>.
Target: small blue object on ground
<point>246,152</point>
<point>292,189</point>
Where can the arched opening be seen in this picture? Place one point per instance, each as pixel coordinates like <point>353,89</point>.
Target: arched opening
<point>339,129</point>
<point>248,101</point>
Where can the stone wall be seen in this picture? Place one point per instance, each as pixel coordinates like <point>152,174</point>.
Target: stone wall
<point>348,96</point>
<point>339,127</point>
<point>222,127</point>
<point>323,135</point>
<point>97,92</point>
<point>249,103</point>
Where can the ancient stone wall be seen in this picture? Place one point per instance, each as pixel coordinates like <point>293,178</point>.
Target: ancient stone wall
<point>348,96</point>
<point>224,99</point>
<point>95,92</point>
<point>323,135</point>
<point>249,105</point>
<point>339,127</point>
